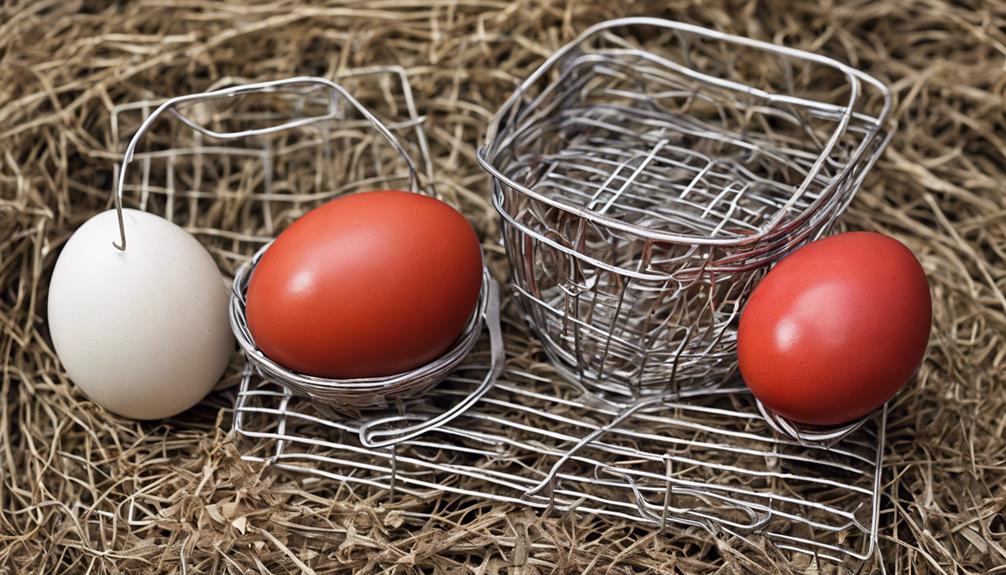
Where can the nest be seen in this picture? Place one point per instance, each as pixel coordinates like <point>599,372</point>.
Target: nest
<point>83,490</point>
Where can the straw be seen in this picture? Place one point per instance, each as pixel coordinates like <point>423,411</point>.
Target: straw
<point>85,491</point>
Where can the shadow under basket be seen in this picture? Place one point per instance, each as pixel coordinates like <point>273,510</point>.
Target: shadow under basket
<point>650,172</point>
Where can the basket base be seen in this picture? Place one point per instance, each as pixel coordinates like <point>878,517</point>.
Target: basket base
<point>703,458</point>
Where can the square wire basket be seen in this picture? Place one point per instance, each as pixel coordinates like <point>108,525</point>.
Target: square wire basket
<point>699,460</point>
<point>648,174</point>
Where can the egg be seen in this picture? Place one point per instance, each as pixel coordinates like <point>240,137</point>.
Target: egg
<point>366,285</point>
<point>835,329</point>
<point>144,332</point>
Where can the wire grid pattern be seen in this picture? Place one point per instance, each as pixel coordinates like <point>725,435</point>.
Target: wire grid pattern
<point>287,151</point>
<point>650,171</point>
<point>704,459</point>
<point>257,115</point>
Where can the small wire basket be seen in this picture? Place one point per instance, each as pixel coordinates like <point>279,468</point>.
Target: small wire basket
<point>286,137</point>
<point>649,172</point>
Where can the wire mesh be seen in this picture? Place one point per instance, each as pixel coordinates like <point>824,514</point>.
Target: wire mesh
<point>704,459</point>
<point>265,120</point>
<point>284,151</point>
<point>649,172</point>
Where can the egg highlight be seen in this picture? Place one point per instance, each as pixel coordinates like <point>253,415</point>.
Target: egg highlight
<point>368,285</point>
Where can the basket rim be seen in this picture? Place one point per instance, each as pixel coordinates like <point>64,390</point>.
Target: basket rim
<point>877,134</point>
<point>307,384</point>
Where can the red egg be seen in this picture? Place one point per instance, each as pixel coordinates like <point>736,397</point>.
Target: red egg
<point>367,285</point>
<point>836,328</point>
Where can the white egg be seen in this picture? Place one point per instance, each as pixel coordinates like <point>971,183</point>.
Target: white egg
<point>143,332</point>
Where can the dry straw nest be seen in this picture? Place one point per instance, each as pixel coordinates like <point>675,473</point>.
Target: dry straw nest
<point>72,473</point>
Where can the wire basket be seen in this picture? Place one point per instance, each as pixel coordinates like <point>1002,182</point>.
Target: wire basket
<point>277,149</point>
<point>649,172</point>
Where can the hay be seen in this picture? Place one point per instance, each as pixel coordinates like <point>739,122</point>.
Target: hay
<point>86,491</point>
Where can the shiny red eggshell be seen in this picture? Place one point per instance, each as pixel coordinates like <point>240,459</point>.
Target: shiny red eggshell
<point>836,328</point>
<point>367,285</point>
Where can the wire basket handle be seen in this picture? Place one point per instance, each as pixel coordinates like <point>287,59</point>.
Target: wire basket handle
<point>170,105</point>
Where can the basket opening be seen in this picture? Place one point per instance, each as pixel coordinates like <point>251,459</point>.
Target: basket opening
<point>690,137</point>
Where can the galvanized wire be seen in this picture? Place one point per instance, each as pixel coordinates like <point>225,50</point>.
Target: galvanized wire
<point>704,459</point>
<point>645,185</point>
<point>681,458</point>
<point>319,106</point>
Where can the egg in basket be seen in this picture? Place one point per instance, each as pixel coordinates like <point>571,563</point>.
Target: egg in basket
<point>372,297</point>
<point>650,173</point>
<point>373,292</point>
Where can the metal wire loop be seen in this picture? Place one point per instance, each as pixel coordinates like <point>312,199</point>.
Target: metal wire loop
<point>350,396</point>
<point>368,431</point>
<point>171,105</point>
<point>829,435</point>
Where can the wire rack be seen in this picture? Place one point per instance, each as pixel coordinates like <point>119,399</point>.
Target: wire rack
<point>650,171</point>
<point>684,459</point>
<point>703,459</point>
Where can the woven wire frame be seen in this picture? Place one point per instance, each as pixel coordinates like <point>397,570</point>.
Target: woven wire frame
<point>703,459</point>
<point>649,173</point>
<point>256,130</point>
<point>266,156</point>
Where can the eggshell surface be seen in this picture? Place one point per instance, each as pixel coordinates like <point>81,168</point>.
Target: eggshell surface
<point>367,285</point>
<point>836,328</point>
<point>143,332</point>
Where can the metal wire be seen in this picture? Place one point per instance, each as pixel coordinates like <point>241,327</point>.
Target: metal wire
<point>179,171</point>
<point>701,458</point>
<point>343,396</point>
<point>645,185</point>
<point>349,396</point>
<point>174,105</point>
<point>684,458</point>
